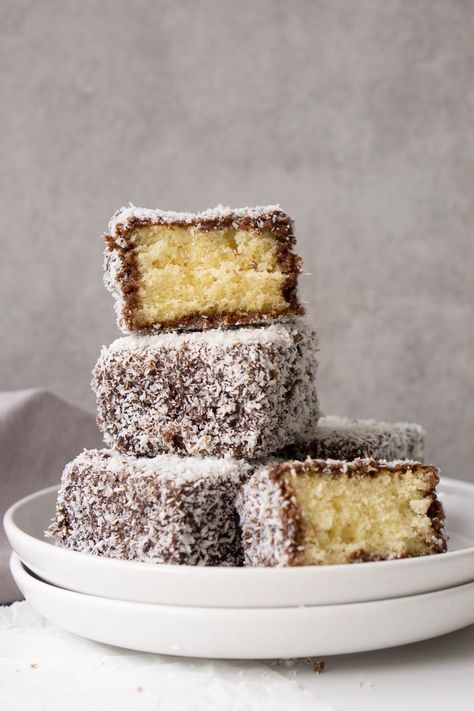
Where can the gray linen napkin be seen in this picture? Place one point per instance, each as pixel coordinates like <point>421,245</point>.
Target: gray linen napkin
<point>39,434</point>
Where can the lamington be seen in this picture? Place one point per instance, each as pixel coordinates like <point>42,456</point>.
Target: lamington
<point>345,439</point>
<point>181,270</point>
<point>321,512</point>
<point>168,509</point>
<point>242,392</point>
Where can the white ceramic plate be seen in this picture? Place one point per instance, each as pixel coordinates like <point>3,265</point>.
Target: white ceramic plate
<point>244,587</point>
<point>258,633</point>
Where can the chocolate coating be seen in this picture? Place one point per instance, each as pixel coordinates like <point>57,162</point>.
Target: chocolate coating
<point>242,392</point>
<point>163,510</point>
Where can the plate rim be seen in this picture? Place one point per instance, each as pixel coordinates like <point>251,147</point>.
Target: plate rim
<point>250,633</point>
<point>15,560</point>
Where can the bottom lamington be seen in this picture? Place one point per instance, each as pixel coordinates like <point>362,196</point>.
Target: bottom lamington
<point>345,439</point>
<point>327,512</point>
<point>166,509</point>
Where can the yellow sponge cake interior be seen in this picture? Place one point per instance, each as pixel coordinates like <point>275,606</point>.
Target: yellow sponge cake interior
<point>382,516</point>
<point>187,271</point>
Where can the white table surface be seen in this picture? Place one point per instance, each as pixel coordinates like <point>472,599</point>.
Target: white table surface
<point>44,667</point>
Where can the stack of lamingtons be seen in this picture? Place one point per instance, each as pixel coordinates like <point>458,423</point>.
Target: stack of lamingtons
<point>218,454</point>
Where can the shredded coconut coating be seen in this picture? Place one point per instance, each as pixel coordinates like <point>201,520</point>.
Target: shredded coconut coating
<point>268,523</point>
<point>272,525</point>
<point>345,439</point>
<point>125,216</point>
<point>114,282</point>
<point>168,509</point>
<point>239,392</point>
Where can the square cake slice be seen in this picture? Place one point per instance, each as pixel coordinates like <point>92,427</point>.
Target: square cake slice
<point>180,270</point>
<point>164,510</point>
<point>242,392</point>
<point>327,512</point>
<point>345,439</point>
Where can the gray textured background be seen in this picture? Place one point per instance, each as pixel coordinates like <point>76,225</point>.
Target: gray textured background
<point>356,116</point>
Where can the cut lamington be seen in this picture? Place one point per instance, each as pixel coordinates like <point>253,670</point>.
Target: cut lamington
<point>242,392</point>
<point>327,512</point>
<point>179,270</point>
<point>345,439</point>
<point>164,510</point>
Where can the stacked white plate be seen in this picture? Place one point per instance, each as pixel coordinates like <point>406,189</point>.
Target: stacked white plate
<point>253,613</point>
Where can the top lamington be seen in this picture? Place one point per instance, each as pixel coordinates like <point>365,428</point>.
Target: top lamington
<point>220,267</point>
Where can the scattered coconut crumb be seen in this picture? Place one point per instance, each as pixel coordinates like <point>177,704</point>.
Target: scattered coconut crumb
<point>365,685</point>
<point>318,666</point>
<point>34,666</point>
<point>140,688</point>
<point>284,663</point>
